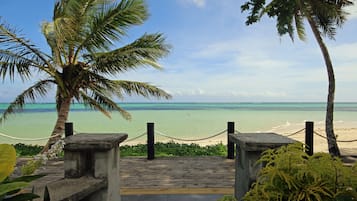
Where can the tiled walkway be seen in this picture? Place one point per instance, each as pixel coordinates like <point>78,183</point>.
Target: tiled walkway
<point>163,179</point>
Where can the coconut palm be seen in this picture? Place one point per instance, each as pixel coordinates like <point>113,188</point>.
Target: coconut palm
<point>323,17</point>
<point>84,61</point>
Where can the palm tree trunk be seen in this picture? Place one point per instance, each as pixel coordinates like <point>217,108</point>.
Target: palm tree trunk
<point>59,126</point>
<point>331,138</point>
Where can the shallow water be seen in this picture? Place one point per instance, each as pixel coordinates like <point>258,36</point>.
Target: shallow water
<point>185,120</point>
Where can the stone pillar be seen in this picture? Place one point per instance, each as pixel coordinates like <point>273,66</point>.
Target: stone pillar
<point>95,156</point>
<point>249,148</point>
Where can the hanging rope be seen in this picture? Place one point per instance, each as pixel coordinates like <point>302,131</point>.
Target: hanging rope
<point>29,139</point>
<point>295,133</point>
<point>135,138</point>
<point>318,134</point>
<point>190,140</point>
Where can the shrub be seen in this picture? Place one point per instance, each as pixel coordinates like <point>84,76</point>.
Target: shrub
<point>292,175</point>
<point>27,150</point>
<point>11,189</point>
<point>30,167</point>
<point>175,149</point>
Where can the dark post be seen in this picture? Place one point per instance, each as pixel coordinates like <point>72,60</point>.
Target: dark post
<point>151,141</point>
<point>309,137</point>
<point>68,129</point>
<point>230,145</point>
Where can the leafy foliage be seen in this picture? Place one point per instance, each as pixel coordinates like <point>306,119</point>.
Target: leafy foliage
<point>175,149</point>
<point>10,190</point>
<point>290,14</point>
<point>7,160</point>
<point>161,149</point>
<point>292,175</point>
<point>27,150</point>
<point>30,167</point>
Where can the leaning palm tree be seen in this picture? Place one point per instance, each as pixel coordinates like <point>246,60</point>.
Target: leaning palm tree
<point>323,16</point>
<point>83,62</point>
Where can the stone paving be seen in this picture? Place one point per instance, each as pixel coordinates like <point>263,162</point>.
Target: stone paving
<point>169,176</point>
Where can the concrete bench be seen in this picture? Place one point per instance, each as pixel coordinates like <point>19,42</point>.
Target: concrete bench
<point>91,169</point>
<point>74,189</point>
<point>249,149</point>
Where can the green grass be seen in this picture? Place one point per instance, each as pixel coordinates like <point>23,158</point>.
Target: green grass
<point>161,149</point>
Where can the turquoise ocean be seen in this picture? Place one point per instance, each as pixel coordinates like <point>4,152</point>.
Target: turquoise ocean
<point>183,120</point>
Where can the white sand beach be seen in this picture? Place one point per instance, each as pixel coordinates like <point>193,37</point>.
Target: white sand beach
<point>343,131</point>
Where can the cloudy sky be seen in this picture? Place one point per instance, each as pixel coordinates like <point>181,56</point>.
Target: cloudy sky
<point>215,56</point>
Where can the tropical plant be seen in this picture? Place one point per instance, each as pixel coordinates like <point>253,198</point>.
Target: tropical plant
<point>10,190</point>
<point>292,175</point>
<point>324,17</point>
<point>83,62</point>
<point>30,167</point>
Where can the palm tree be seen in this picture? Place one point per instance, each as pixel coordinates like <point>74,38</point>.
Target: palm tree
<point>83,61</point>
<point>323,16</point>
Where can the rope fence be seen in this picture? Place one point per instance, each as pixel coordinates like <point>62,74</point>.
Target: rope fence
<point>295,133</point>
<point>137,137</point>
<point>191,140</point>
<point>29,139</point>
<point>309,133</point>
<point>171,137</point>
<point>342,141</point>
<point>318,134</point>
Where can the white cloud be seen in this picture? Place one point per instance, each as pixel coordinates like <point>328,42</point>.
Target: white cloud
<point>344,52</point>
<point>198,3</point>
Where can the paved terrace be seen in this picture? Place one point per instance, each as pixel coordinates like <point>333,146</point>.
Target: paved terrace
<point>168,178</point>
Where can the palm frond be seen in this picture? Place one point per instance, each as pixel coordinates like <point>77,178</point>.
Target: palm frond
<point>101,83</point>
<point>256,9</point>
<point>299,24</point>
<point>39,89</point>
<point>111,23</point>
<point>66,29</point>
<point>329,15</point>
<point>140,88</point>
<point>12,64</point>
<point>10,41</point>
<point>102,103</point>
<point>143,52</point>
<point>55,45</point>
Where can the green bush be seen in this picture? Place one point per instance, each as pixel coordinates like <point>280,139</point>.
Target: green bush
<point>292,175</point>
<point>30,167</point>
<point>175,149</point>
<point>161,149</point>
<point>27,150</point>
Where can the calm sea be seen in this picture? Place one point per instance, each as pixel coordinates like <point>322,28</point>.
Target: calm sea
<point>185,120</point>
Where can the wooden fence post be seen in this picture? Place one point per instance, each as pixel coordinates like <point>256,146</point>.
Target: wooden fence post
<point>230,145</point>
<point>150,141</point>
<point>68,129</point>
<point>309,137</point>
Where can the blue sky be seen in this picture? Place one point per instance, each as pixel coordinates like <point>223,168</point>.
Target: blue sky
<point>215,56</point>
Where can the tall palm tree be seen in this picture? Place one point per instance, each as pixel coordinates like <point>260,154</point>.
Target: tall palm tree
<point>323,16</point>
<point>83,62</point>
